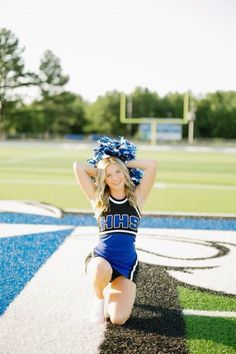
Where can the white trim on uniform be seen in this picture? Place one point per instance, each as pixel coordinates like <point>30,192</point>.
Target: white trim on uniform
<point>133,270</point>
<point>139,214</point>
<point>119,231</point>
<point>118,201</point>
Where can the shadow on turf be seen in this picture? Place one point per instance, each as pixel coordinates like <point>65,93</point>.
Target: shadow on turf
<point>156,324</point>
<point>163,322</point>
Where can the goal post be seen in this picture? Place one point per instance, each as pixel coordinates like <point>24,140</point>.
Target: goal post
<point>154,121</point>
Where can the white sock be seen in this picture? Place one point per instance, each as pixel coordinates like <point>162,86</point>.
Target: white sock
<point>97,311</point>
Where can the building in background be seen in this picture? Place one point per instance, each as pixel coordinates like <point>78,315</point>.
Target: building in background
<point>165,132</point>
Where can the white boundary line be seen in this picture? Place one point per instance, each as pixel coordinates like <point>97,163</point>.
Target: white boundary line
<point>33,181</point>
<point>6,162</point>
<point>160,185</point>
<point>204,313</point>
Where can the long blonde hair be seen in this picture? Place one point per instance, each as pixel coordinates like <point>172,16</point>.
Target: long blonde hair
<point>102,203</point>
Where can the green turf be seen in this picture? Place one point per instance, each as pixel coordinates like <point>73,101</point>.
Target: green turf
<point>44,172</point>
<point>206,335</point>
<point>199,300</point>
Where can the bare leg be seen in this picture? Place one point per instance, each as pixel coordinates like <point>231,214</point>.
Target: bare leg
<point>121,300</point>
<point>100,272</point>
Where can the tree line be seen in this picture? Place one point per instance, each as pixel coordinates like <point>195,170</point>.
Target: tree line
<point>58,111</point>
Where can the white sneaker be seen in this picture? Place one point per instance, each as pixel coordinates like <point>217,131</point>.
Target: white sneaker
<point>97,311</point>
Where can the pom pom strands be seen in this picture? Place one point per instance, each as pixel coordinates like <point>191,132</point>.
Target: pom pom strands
<point>120,148</point>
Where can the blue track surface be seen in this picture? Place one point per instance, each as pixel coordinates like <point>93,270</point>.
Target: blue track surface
<point>147,221</point>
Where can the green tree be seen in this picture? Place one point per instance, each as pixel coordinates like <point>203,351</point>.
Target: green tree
<point>51,84</point>
<point>24,118</point>
<point>171,105</point>
<point>145,103</point>
<point>216,115</point>
<point>103,115</point>
<point>66,112</point>
<point>52,79</point>
<point>12,71</point>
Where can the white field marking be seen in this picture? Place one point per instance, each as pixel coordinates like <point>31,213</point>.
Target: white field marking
<point>204,313</point>
<point>12,230</point>
<point>190,251</point>
<point>33,181</point>
<point>29,157</point>
<point>161,185</point>
<point>50,315</point>
<point>30,207</point>
<point>198,149</point>
<point>77,145</point>
<point>35,168</point>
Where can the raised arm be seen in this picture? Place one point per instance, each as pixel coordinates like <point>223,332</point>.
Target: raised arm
<point>83,174</point>
<point>144,188</point>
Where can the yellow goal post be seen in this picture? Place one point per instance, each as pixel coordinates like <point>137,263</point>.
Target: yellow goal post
<point>186,119</point>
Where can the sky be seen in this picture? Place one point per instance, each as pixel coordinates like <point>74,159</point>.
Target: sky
<point>105,45</point>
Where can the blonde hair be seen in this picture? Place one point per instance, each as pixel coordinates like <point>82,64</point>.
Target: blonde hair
<point>102,203</point>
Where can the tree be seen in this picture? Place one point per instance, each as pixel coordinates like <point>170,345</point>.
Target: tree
<point>104,115</point>
<point>64,113</point>
<point>51,84</point>
<point>12,70</point>
<point>52,80</point>
<point>216,115</point>
<point>145,103</point>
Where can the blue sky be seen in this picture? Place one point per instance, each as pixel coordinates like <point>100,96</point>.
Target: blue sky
<point>103,45</point>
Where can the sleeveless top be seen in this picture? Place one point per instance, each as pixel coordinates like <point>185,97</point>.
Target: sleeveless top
<point>117,233</point>
<point>122,217</point>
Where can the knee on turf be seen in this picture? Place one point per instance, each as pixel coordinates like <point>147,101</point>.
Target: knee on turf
<point>118,319</point>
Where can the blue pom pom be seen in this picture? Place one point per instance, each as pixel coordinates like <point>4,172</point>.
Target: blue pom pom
<point>120,148</point>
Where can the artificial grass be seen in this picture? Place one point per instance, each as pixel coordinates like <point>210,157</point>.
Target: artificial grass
<point>200,300</point>
<point>44,173</point>
<point>210,335</point>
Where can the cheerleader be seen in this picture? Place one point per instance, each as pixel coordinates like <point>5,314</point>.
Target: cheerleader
<point>117,186</point>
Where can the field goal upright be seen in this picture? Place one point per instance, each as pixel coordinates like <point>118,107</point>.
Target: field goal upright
<point>188,118</point>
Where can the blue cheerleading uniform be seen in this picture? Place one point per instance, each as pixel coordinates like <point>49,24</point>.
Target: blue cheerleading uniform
<point>117,233</point>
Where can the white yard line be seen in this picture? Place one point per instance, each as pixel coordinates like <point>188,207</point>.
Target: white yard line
<point>35,181</point>
<point>160,185</point>
<point>29,157</point>
<point>204,313</point>
<point>34,169</point>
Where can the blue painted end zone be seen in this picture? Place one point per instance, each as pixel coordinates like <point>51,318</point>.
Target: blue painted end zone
<point>20,259</point>
<point>147,221</point>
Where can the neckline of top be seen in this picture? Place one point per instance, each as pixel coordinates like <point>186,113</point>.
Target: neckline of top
<point>118,201</point>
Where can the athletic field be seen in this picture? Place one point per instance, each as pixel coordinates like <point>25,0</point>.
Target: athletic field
<point>186,294</point>
<point>195,180</point>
